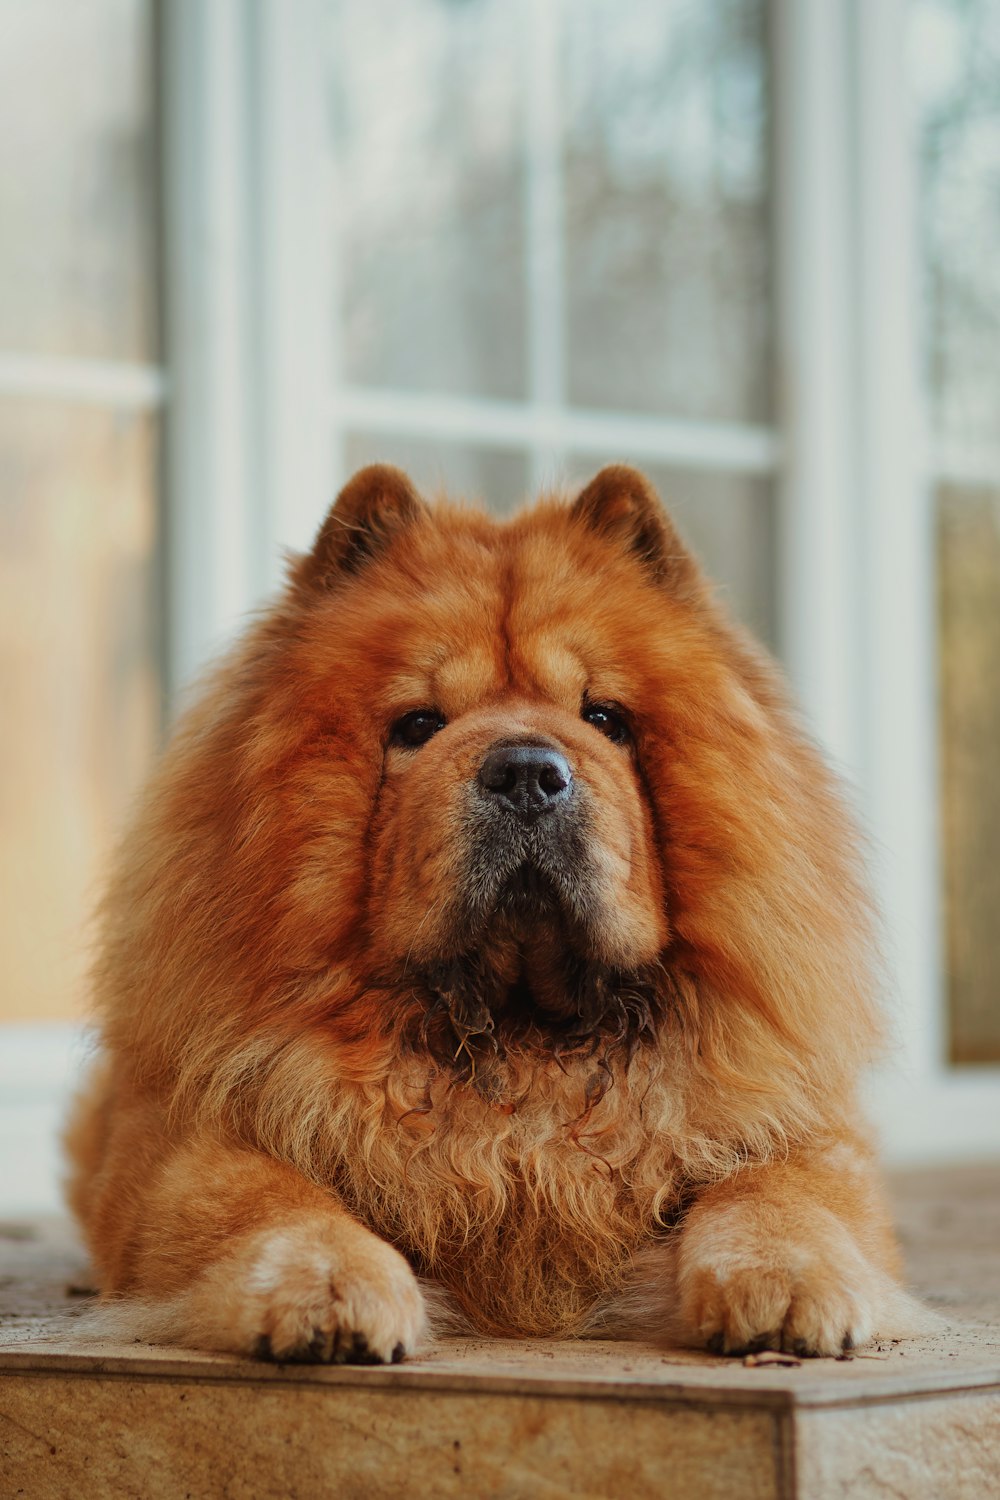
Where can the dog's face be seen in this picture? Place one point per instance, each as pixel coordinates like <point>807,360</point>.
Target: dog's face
<point>495,703</point>
<point>514,863</point>
<point>512,802</point>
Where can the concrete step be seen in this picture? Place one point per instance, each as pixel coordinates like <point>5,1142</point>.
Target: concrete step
<point>495,1418</point>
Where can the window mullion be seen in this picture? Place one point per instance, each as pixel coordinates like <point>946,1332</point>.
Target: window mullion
<point>818,500</point>
<point>209,346</point>
<point>721,447</point>
<point>294,305</point>
<point>544,231</point>
<point>899,572</point>
<point>121,384</point>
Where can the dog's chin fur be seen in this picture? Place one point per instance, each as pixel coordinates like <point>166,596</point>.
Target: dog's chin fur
<point>359,1022</point>
<point>529,983</point>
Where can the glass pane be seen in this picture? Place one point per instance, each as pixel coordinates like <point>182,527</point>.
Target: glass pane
<point>427,117</point>
<point>956,69</point>
<point>77,188</point>
<point>969,597</point>
<point>668,249</point>
<point>79,686</point>
<point>728,521</point>
<point>497,476</point>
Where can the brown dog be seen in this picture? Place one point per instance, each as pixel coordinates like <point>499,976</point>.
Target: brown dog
<point>492,918</point>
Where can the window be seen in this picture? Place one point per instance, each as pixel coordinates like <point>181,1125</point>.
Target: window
<point>746,244</point>
<point>79,396</point>
<point>957,72</point>
<point>685,235</point>
<point>561,259</point>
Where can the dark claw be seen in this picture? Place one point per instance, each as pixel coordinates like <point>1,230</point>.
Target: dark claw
<point>319,1346</point>
<point>801,1349</point>
<point>263,1348</point>
<point>361,1354</point>
<point>397,1354</point>
<point>848,1343</point>
<point>717,1343</point>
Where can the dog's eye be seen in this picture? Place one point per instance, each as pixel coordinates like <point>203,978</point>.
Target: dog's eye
<point>608,720</point>
<point>416,728</point>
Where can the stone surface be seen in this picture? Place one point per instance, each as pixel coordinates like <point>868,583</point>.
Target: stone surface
<point>506,1418</point>
<point>173,1437</point>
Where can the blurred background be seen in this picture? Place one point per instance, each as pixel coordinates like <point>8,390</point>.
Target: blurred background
<point>750,245</point>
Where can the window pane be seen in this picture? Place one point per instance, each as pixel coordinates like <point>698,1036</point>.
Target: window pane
<point>728,521</point>
<point>969,584</point>
<point>77,187</point>
<point>956,66</point>
<point>955,59</point>
<point>427,119</point>
<point>497,476</point>
<point>667,165</point>
<point>80,688</point>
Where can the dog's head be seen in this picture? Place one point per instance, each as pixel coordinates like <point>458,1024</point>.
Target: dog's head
<point>497,684</point>
<point>487,787</point>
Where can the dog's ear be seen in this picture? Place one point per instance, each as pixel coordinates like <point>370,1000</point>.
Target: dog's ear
<point>622,506</point>
<point>374,506</point>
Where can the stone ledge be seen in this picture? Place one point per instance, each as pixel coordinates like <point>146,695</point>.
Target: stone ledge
<point>490,1417</point>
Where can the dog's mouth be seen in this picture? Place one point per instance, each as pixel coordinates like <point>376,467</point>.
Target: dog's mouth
<point>529,886</point>
<point>532,896</point>
<point>524,970</point>
<point>516,875</point>
<point>527,985</point>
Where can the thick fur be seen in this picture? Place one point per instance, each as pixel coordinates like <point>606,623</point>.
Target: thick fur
<point>347,1040</point>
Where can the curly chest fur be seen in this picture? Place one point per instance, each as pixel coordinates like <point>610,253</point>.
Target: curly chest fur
<point>527,1206</point>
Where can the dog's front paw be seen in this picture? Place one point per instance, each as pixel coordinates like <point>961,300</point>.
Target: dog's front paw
<point>321,1292</point>
<point>746,1286</point>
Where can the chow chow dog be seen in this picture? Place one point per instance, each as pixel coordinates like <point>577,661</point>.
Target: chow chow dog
<point>491,933</point>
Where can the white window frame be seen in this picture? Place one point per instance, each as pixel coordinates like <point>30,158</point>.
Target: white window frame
<point>859,564</point>
<point>258,409</point>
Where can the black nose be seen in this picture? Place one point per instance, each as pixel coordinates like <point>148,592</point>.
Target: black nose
<point>527,779</point>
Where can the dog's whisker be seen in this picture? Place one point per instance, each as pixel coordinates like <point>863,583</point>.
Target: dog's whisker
<point>434,907</point>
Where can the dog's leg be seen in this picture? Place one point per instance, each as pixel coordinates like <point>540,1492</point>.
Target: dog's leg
<point>797,1255</point>
<point>229,1249</point>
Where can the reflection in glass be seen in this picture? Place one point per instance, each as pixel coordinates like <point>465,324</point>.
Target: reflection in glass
<point>969,615</point>
<point>498,477</point>
<point>77,186</point>
<point>666,158</point>
<point>80,686</point>
<point>956,71</point>
<point>427,117</point>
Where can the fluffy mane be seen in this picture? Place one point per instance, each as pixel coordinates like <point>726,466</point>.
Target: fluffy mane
<point>236,995</point>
